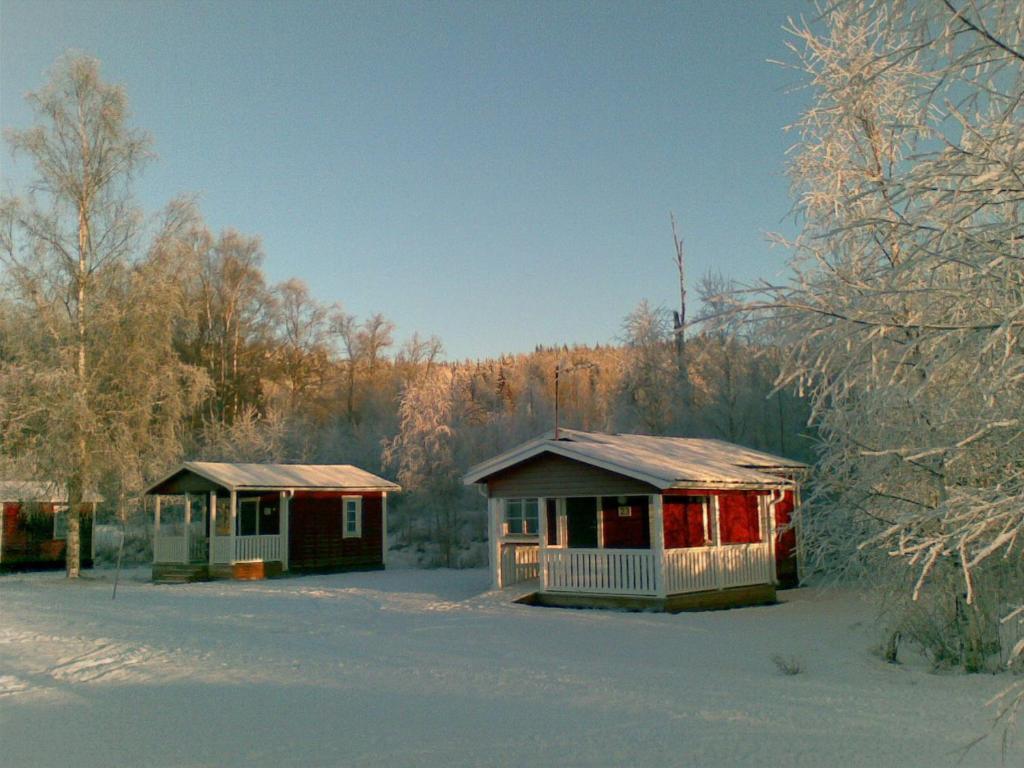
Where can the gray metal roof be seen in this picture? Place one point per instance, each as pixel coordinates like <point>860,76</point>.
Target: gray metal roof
<point>240,476</point>
<point>664,462</point>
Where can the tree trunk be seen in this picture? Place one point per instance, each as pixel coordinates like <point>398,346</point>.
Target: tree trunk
<point>72,554</point>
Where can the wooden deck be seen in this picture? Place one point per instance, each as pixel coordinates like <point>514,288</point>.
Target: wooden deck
<point>710,600</point>
<point>181,573</point>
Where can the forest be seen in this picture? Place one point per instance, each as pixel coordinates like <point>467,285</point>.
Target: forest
<point>892,355</point>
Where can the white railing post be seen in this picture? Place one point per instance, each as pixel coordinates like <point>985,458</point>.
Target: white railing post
<point>769,516</point>
<point>542,538</point>
<point>717,556</point>
<point>794,520</point>
<point>657,541</point>
<point>156,528</point>
<point>233,517</point>
<point>188,528</point>
<point>384,528</point>
<point>213,527</point>
<point>285,514</point>
<point>493,544</point>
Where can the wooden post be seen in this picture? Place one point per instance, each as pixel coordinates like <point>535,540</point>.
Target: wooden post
<point>716,542</point>
<point>656,516</point>
<point>188,528</point>
<point>384,527</point>
<point>794,519</point>
<point>768,504</point>
<point>563,523</point>
<point>493,508</point>
<point>542,539</point>
<point>156,524</point>
<point>285,515</point>
<point>233,517</point>
<point>213,526</point>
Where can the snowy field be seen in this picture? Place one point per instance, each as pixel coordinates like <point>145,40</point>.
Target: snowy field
<point>409,668</point>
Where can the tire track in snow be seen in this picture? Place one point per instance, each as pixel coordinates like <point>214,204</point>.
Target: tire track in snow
<point>106,660</point>
<point>10,685</point>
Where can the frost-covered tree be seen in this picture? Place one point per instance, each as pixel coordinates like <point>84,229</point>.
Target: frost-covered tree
<point>302,342</point>
<point>649,385</point>
<point>424,454</point>
<point>905,314</point>
<point>65,249</point>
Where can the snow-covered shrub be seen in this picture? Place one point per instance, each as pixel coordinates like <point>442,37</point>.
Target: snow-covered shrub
<point>787,665</point>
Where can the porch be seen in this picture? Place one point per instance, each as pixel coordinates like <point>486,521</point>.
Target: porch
<point>201,536</point>
<point>630,552</point>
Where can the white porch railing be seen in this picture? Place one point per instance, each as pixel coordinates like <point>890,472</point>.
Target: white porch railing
<point>198,552</point>
<point>690,570</point>
<point>600,571</point>
<point>743,564</point>
<point>255,548</point>
<point>222,549</point>
<point>518,563</point>
<point>168,549</point>
<point>246,549</point>
<point>696,569</point>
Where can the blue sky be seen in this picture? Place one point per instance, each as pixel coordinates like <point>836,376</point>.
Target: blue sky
<point>497,174</point>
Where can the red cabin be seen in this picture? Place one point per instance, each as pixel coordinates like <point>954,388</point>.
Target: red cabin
<point>250,521</point>
<point>33,526</point>
<point>641,522</point>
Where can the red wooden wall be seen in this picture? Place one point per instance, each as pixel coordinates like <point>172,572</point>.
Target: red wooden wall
<point>28,541</point>
<point>738,523</point>
<point>316,539</point>
<point>738,514</point>
<point>785,542</point>
<point>633,532</point>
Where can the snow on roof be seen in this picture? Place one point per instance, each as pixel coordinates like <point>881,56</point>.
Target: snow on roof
<point>239,476</point>
<point>664,462</point>
<point>38,491</point>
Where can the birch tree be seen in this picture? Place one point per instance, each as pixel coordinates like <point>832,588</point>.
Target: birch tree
<point>424,454</point>
<point>78,224</point>
<point>904,318</point>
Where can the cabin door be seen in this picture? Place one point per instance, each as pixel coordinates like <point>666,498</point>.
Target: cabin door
<point>581,522</point>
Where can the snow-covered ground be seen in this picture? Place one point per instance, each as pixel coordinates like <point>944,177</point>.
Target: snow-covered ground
<point>406,668</point>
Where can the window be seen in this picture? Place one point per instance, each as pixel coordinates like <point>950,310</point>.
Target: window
<point>353,516</point>
<point>686,521</point>
<point>739,518</point>
<point>521,516</point>
<point>60,522</point>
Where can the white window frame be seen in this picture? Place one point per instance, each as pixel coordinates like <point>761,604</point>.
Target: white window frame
<point>358,533</point>
<point>522,500</point>
<point>57,513</point>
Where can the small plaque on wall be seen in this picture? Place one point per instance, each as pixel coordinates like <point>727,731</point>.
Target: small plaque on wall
<point>625,510</point>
